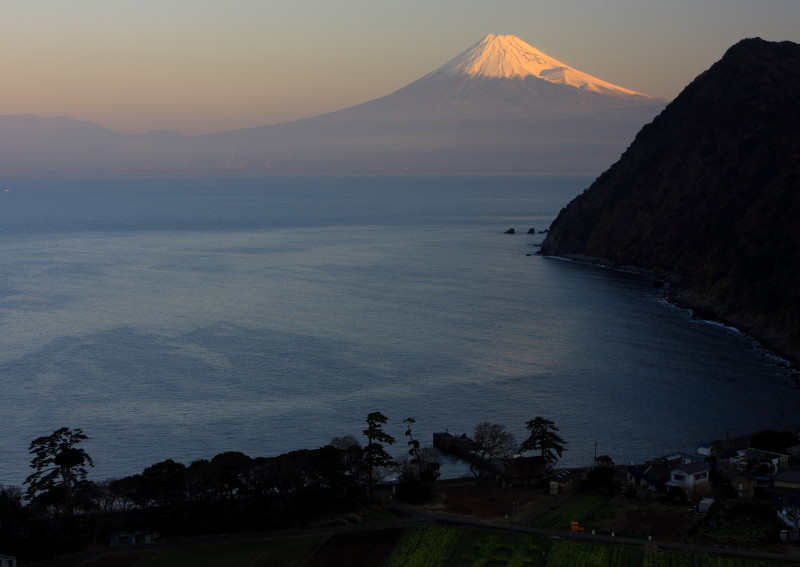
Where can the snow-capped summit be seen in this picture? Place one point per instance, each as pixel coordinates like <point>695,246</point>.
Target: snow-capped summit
<point>508,57</point>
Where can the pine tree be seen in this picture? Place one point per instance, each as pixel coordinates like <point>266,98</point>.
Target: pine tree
<point>544,438</point>
<point>375,456</point>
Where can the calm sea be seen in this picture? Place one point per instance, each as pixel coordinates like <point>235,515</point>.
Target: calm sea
<point>180,318</point>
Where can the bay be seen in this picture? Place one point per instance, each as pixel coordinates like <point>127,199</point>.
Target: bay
<point>183,317</point>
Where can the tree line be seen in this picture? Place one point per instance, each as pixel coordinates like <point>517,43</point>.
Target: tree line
<point>62,510</point>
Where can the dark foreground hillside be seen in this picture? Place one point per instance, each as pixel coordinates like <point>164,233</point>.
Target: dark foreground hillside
<point>708,195</point>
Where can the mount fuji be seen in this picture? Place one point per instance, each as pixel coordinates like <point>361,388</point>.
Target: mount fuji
<point>508,57</point>
<point>500,106</point>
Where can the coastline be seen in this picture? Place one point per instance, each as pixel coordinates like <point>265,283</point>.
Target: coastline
<point>775,344</point>
<point>678,295</point>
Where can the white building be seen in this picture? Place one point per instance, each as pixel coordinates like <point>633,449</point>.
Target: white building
<point>692,478</point>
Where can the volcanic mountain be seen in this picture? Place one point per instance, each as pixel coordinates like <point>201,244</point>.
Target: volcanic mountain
<point>501,105</point>
<point>708,195</point>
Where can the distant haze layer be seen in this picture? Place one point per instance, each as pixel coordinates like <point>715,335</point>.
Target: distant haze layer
<point>500,106</point>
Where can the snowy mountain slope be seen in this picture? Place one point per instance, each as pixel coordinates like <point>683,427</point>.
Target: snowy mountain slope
<point>508,57</point>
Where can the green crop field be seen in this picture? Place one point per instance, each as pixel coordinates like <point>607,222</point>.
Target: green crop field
<point>566,553</point>
<point>500,549</point>
<point>427,545</point>
<point>463,547</point>
<point>577,509</point>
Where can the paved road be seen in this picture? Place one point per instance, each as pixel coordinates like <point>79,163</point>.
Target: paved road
<point>793,554</point>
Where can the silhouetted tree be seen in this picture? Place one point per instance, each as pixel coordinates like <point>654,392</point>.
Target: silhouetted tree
<point>130,492</point>
<point>603,476</point>
<point>353,455</point>
<point>375,456</point>
<point>417,475</point>
<point>60,467</point>
<point>418,470</point>
<point>413,444</point>
<point>11,512</point>
<point>229,473</point>
<point>493,442</point>
<point>165,483</point>
<point>544,438</point>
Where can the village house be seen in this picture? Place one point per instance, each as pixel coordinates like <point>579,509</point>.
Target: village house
<point>674,460</point>
<point>647,478</point>
<point>564,481</point>
<point>756,460</point>
<point>679,473</point>
<point>747,481</point>
<point>705,450</point>
<point>692,478</point>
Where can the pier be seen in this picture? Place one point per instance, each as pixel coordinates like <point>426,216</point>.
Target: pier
<point>464,448</point>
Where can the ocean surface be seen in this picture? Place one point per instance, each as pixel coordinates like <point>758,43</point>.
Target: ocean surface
<point>183,317</point>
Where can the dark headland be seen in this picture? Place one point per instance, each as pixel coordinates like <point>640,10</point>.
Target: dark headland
<point>708,197</point>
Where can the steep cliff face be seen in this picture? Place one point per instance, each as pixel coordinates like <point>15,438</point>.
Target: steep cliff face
<point>708,194</point>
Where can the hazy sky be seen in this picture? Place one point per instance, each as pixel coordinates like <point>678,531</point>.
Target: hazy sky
<point>210,65</point>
